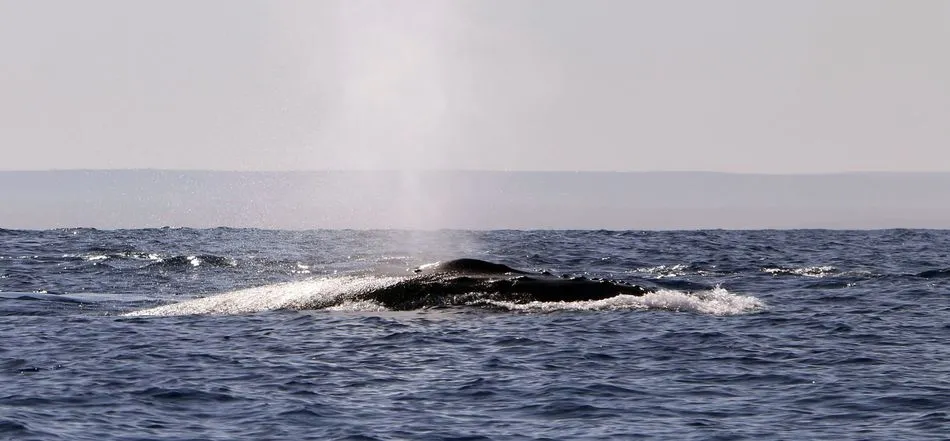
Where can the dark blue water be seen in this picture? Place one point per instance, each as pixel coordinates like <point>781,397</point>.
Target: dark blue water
<point>755,335</point>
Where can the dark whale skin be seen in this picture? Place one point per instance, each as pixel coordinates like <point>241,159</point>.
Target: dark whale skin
<point>469,281</point>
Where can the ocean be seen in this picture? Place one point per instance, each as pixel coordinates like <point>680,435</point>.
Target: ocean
<point>211,334</point>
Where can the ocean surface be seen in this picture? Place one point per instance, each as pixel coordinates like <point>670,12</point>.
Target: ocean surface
<point>782,334</point>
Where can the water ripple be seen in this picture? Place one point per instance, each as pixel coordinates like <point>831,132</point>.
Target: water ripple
<point>845,339</point>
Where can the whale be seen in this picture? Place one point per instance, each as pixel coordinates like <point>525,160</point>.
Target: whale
<point>453,283</point>
<point>466,281</point>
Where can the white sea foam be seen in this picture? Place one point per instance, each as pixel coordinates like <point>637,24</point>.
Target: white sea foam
<point>305,269</point>
<point>308,294</point>
<point>662,271</point>
<point>717,301</point>
<point>358,306</point>
<point>809,271</point>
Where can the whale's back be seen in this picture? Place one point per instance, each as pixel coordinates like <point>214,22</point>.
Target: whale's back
<point>474,266</point>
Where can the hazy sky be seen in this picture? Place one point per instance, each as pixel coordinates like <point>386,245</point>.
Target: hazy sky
<point>737,86</point>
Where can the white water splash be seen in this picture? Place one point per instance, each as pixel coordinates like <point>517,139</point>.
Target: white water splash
<point>358,306</point>
<point>662,271</point>
<point>810,271</point>
<point>308,294</point>
<point>717,301</point>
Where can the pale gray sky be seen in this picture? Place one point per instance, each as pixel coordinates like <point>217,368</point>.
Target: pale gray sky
<point>731,85</point>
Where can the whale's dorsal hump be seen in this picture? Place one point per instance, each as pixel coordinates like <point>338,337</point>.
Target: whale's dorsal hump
<point>470,266</point>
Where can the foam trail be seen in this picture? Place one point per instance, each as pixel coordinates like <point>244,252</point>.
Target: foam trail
<point>308,294</point>
<point>717,301</point>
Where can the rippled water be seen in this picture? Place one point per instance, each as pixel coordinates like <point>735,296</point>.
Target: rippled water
<point>754,335</point>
